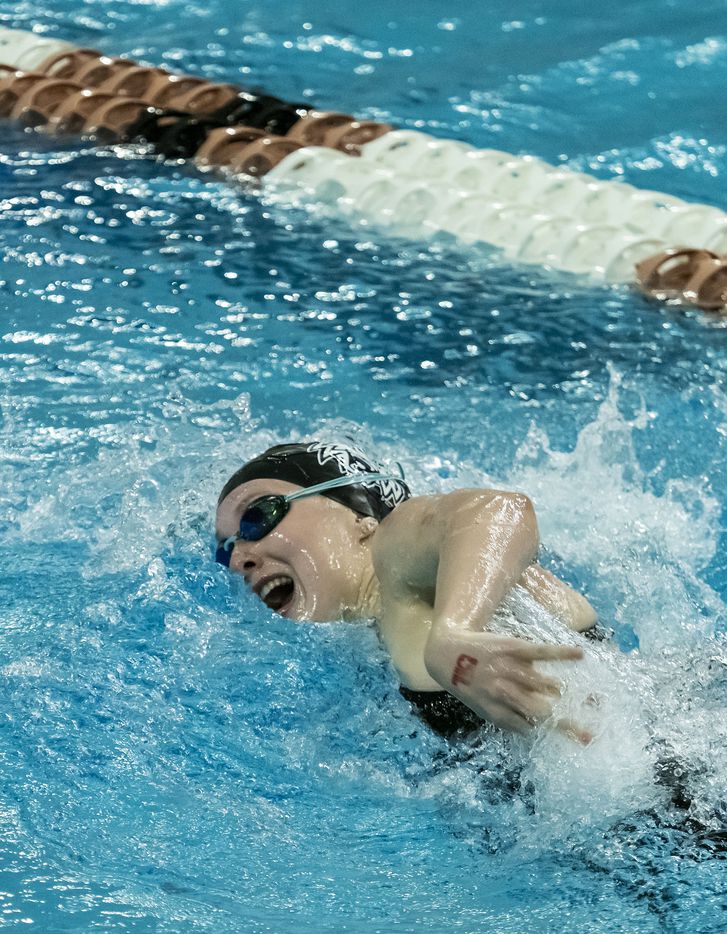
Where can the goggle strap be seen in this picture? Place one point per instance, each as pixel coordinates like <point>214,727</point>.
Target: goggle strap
<point>339,481</point>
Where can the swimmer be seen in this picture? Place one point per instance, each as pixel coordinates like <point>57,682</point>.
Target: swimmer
<point>320,532</point>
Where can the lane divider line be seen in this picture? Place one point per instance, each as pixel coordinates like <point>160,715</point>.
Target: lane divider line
<point>406,181</point>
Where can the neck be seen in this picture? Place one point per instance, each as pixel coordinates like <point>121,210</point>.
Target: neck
<point>368,601</point>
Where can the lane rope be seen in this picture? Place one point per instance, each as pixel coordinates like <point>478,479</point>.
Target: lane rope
<point>406,181</point>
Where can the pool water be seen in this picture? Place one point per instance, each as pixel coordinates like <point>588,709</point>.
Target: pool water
<point>173,756</point>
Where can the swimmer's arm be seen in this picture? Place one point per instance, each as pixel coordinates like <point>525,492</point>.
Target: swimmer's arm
<point>467,550</point>
<point>462,552</point>
<point>487,540</point>
<point>560,600</point>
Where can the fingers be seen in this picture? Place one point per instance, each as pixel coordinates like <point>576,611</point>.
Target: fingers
<point>544,653</point>
<point>575,732</point>
<point>520,713</point>
<point>508,719</point>
<point>532,707</point>
<point>532,680</point>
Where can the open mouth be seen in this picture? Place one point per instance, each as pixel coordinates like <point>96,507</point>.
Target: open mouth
<point>277,593</point>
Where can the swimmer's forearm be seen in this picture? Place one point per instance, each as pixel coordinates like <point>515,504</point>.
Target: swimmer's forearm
<point>565,604</point>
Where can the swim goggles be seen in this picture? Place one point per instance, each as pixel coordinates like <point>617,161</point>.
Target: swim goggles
<point>263,514</point>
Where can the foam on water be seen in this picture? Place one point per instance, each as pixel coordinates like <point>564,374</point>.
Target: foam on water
<point>648,548</point>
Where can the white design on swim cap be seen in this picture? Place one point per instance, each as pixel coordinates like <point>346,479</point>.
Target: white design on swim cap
<point>352,460</point>
<point>391,491</point>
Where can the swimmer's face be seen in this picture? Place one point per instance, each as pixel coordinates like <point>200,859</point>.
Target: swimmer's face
<point>314,564</point>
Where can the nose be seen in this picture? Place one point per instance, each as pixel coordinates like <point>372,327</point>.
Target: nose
<point>243,560</point>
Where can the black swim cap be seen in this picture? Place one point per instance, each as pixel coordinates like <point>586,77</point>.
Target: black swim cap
<point>313,462</point>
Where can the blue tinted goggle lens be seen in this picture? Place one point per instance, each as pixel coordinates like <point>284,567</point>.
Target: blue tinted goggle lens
<point>262,516</point>
<point>258,520</point>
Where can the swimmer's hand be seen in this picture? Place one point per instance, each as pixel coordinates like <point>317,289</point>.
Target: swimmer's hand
<point>496,677</point>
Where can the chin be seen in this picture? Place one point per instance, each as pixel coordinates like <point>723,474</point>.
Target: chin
<point>296,609</point>
<point>291,610</point>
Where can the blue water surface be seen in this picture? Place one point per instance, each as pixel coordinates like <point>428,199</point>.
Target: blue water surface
<point>174,757</point>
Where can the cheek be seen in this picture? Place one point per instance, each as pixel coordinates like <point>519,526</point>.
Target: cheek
<point>335,549</point>
<point>327,584</point>
<point>318,561</point>
<point>325,562</point>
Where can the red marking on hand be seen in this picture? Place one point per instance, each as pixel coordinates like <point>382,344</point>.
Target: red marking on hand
<point>463,669</point>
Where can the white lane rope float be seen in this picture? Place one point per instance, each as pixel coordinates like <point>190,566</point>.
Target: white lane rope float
<point>406,181</point>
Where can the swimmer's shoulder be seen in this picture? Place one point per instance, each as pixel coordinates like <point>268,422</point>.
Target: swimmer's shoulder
<point>422,512</point>
<point>406,545</point>
<point>414,529</point>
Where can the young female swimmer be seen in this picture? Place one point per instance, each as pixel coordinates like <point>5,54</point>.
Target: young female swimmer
<point>319,532</point>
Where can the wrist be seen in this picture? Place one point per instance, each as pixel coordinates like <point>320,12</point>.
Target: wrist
<point>436,648</point>
<point>453,664</point>
<point>447,654</point>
